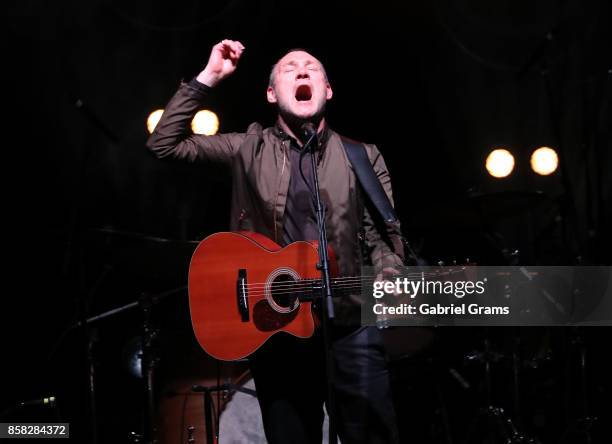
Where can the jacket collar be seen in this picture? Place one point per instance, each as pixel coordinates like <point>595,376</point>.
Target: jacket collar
<point>323,135</point>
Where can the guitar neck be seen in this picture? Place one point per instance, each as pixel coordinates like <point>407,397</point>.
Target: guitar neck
<point>342,286</point>
<point>310,289</point>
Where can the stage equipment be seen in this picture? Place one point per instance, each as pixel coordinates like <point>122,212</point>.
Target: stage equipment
<point>153,119</point>
<point>544,161</point>
<point>205,122</point>
<point>500,163</point>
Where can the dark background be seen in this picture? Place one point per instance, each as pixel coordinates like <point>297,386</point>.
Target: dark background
<point>435,84</point>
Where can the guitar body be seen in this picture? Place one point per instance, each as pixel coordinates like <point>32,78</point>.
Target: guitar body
<point>244,288</point>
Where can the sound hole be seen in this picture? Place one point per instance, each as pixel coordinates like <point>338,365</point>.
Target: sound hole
<point>283,292</point>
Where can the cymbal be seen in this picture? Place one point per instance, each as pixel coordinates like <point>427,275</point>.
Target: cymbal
<point>139,236</point>
<point>142,254</point>
<point>479,209</point>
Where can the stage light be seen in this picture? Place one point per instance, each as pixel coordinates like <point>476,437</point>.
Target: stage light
<point>153,119</point>
<point>205,122</point>
<point>544,161</point>
<point>500,163</point>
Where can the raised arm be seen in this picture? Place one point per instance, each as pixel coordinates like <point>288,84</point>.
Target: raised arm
<point>172,137</point>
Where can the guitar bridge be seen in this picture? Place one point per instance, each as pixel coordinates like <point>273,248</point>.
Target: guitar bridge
<point>242,293</point>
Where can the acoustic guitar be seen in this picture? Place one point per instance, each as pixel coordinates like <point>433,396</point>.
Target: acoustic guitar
<point>244,288</point>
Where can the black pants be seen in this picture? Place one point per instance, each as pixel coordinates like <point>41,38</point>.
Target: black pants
<point>290,378</point>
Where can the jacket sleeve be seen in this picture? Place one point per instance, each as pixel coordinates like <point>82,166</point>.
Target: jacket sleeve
<point>383,239</point>
<point>172,136</point>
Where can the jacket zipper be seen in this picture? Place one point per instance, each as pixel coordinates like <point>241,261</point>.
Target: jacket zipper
<point>278,190</point>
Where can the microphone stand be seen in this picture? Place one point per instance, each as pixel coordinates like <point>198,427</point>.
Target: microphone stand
<point>327,307</point>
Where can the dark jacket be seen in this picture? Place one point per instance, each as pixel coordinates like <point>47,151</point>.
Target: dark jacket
<point>259,160</point>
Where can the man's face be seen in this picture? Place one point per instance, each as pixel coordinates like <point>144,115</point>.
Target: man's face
<point>300,87</point>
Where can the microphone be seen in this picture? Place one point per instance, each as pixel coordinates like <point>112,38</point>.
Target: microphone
<point>308,134</point>
<point>49,402</point>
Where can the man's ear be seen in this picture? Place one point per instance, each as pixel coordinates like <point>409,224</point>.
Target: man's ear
<point>328,92</point>
<point>271,95</point>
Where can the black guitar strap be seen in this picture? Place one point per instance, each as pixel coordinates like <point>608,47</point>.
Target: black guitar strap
<point>364,171</point>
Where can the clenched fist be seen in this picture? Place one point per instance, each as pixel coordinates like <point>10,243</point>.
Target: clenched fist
<point>222,62</point>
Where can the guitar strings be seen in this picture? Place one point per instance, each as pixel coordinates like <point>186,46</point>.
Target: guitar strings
<point>347,278</point>
<point>259,290</point>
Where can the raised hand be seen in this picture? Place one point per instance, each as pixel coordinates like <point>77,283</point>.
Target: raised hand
<point>222,62</point>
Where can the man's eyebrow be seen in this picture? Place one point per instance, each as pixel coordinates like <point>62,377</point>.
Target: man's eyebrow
<point>295,63</point>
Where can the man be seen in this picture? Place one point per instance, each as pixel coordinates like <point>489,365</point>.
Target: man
<point>271,196</point>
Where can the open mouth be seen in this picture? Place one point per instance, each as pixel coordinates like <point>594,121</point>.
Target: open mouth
<point>303,93</point>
